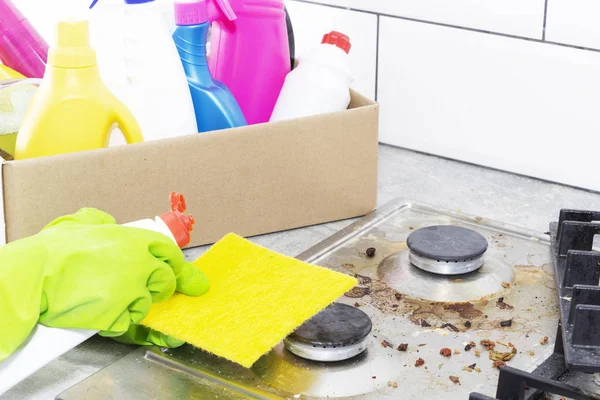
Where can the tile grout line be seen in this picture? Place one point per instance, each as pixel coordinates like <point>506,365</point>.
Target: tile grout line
<point>464,28</point>
<point>377,59</point>
<point>545,19</point>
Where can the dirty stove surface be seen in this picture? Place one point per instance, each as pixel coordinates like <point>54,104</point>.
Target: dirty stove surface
<point>509,300</point>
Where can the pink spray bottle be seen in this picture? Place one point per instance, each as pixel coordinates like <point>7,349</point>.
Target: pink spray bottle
<point>250,52</point>
<point>21,47</point>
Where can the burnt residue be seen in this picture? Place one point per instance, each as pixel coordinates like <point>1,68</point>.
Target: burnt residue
<point>465,310</point>
<point>370,252</point>
<point>467,324</point>
<point>357,292</point>
<point>363,280</point>
<point>450,327</point>
<point>506,323</point>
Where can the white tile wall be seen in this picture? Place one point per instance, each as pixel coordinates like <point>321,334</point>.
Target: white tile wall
<point>575,22</point>
<point>514,17</point>
<point>310,22</point>
<point>506,103</point>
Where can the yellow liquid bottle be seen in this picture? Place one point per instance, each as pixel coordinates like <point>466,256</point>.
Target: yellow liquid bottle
<point>72,110</point>
<point>8,73</point>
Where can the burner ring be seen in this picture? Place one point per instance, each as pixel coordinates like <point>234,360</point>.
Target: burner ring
<point>337,333</point>
<point>447,249</point>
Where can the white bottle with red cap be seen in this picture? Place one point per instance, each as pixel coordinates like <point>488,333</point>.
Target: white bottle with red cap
<point>320,83</point>
<point>174,224</point>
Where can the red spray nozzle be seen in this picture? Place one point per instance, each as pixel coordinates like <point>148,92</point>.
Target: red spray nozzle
<point>179,224</point>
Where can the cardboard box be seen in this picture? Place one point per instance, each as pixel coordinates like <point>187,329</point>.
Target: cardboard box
<point>251,180</point>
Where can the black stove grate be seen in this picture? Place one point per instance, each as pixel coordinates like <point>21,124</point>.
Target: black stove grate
<point>577,347</point>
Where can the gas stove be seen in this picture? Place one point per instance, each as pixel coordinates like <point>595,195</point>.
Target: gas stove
<point>448,306</point>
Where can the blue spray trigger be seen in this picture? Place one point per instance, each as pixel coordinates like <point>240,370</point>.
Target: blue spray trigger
<point>93,4</point>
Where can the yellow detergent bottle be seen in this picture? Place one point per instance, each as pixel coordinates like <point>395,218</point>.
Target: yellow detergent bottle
<point>72,109</point>
<point>8,73</point>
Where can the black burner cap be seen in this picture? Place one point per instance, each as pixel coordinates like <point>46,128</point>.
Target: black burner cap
<point>337,325</point>
<point>447,243</point>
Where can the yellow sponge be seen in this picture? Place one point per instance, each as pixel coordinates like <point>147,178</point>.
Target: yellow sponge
<point>257,297</point>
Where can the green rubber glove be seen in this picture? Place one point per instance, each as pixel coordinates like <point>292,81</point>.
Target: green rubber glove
<point>85,271</point>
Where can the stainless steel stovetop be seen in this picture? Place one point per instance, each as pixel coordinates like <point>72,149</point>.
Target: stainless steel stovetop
<point>510,301</point>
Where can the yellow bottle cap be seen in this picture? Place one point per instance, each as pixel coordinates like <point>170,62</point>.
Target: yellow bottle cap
<point>72,48</point>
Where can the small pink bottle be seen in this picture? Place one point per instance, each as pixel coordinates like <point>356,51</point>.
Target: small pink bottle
<point>21,46</point>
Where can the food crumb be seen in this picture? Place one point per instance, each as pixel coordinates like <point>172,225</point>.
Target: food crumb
<point>510,344</point>
<point>477,369</point>
<point>531,353</point>
<point>371,252</point>
<point>403,347</point>
<point>502,305</point>
<point>356,304</point>
<point>398,296</point>
<point>456,351</point>
<point>385,343</point>
<point>468,347</point>
<point>488,344</point>
<point>425,324</point>
<point>419,362</point>
<point>446,352</point>
<point>472,366</point>
<point>505,285</point>
<point>498,364</point>
<point>373,377</point>
<point>458,280</point>
<point>477,353</point>
<point>468,324</point>
<point>544,340</point>
<point>506,323</point>
<point>455,379</point>
<point>423,344</point>
<point>467,369</point>
<point>499,356</point>
<point>392,384</point>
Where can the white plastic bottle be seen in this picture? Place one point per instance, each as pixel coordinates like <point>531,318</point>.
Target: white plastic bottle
<point>139,63</point>
<point>320,83</point>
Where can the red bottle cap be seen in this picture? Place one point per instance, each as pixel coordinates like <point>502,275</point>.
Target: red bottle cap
<point>179,224</point>
<point>337,39</point>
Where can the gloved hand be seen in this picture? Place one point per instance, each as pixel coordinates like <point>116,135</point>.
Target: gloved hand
<point>85,271</point>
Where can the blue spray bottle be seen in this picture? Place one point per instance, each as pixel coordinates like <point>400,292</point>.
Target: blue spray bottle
<point>215,106</point>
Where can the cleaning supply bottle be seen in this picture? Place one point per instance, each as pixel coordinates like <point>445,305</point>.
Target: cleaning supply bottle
<point>320,83</point>
<point>250,52</point>
<point>72,109</point>
<point>215,106</point>
<point>174,223</point>
<point>139,63</point>
<point>16,93</point>
<point>21,46</point>
<point>9,73</point>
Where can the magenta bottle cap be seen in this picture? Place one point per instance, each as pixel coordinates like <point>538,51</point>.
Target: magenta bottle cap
<point>9,15</point>
<point>190,13</point>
